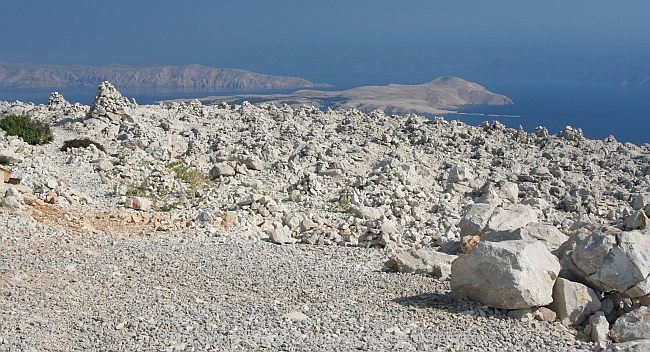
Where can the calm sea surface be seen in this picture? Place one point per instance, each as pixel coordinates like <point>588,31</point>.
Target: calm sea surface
<point>599,109</point>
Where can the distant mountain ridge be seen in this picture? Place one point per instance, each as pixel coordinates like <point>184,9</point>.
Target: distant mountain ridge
<point>187,77</point>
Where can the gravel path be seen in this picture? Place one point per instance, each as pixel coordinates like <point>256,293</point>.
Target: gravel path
<point>64,290</point>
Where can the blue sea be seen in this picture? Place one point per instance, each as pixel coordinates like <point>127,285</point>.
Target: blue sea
<point>599,109</point>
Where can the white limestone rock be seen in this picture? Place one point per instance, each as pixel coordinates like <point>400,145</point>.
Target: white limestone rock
<point>423,261</point>
<point>222,169</point>
<point>614,263</point>
<point>368,213</point>
<point>282,235</point>
<point>511,217</point>
<point>597,328</point>
<point>459,173</point>
<point>509,191</point>
<point>506,275</point>
<point>573,302</point>
<point>475,219</point>
<point>548,234</point>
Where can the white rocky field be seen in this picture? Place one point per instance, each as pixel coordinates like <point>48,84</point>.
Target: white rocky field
<point>191,227</point>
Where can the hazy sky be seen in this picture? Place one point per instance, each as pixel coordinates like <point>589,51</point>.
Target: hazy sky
<point>330,40</point>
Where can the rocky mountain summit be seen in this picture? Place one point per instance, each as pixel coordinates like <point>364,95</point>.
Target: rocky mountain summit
<point>190,226</point>
<point>189,77</point>
<point>442,95</point>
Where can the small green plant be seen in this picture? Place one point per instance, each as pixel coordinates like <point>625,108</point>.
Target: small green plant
<point>31,131</point>
<point>80,143</point>
<point>194,178</point>
<point>167,207</point>
<point>139,190</point>
<point>344,202</point>
<point>342,205</point>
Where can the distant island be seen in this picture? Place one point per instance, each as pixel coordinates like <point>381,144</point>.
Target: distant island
<point>442,95</point>
<point>187,78</point>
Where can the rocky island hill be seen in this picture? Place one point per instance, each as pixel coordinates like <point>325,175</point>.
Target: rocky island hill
<point>184,226</point>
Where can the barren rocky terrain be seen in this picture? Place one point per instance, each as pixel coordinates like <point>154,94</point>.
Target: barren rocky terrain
<point>197,227</point>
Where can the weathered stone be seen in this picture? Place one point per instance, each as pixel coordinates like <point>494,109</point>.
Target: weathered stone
<point>506,275</point>
<point>630,346</point>
<point>109,104</point>
<point>525,314</point>
<point>12,192</point>
<point>253,164</point>
<point>637,220</point>
<point>105,165</point>
<point>544,314</point>
<point>639,290</point>
<point>475,219</point>
<point>307,224</point>
<point>510,191</point>
<point>291,221</point>
<point>550,235</point>
<point>597,329</point>
<point>282,235</point>
<point>613,262</point>
<point>52,183</point>
<point>510,218</point>
<point>489,195</point>
<point>222,169</point>
<point>422,261</point>
<point>368,213</point>
<point>459,173</point>
<point>11,203</point>
<point>573,302</point>
<point>295,316</point>
<point>631,326</point>
<point>388,227</point>
<point>640,200</point>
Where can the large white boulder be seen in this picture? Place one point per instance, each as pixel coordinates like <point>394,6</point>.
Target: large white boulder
<point>550,235</point>
<point>506,275</point>
<point>614,263</point>
<point>511,218</point>
<point>475,218</point>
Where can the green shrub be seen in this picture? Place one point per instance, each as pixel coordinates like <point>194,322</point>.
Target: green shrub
<point>31,131</point>
<point>80,143</point>
<point>193,177</point>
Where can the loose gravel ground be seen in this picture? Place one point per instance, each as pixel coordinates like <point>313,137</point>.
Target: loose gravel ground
<point>68,290</point>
